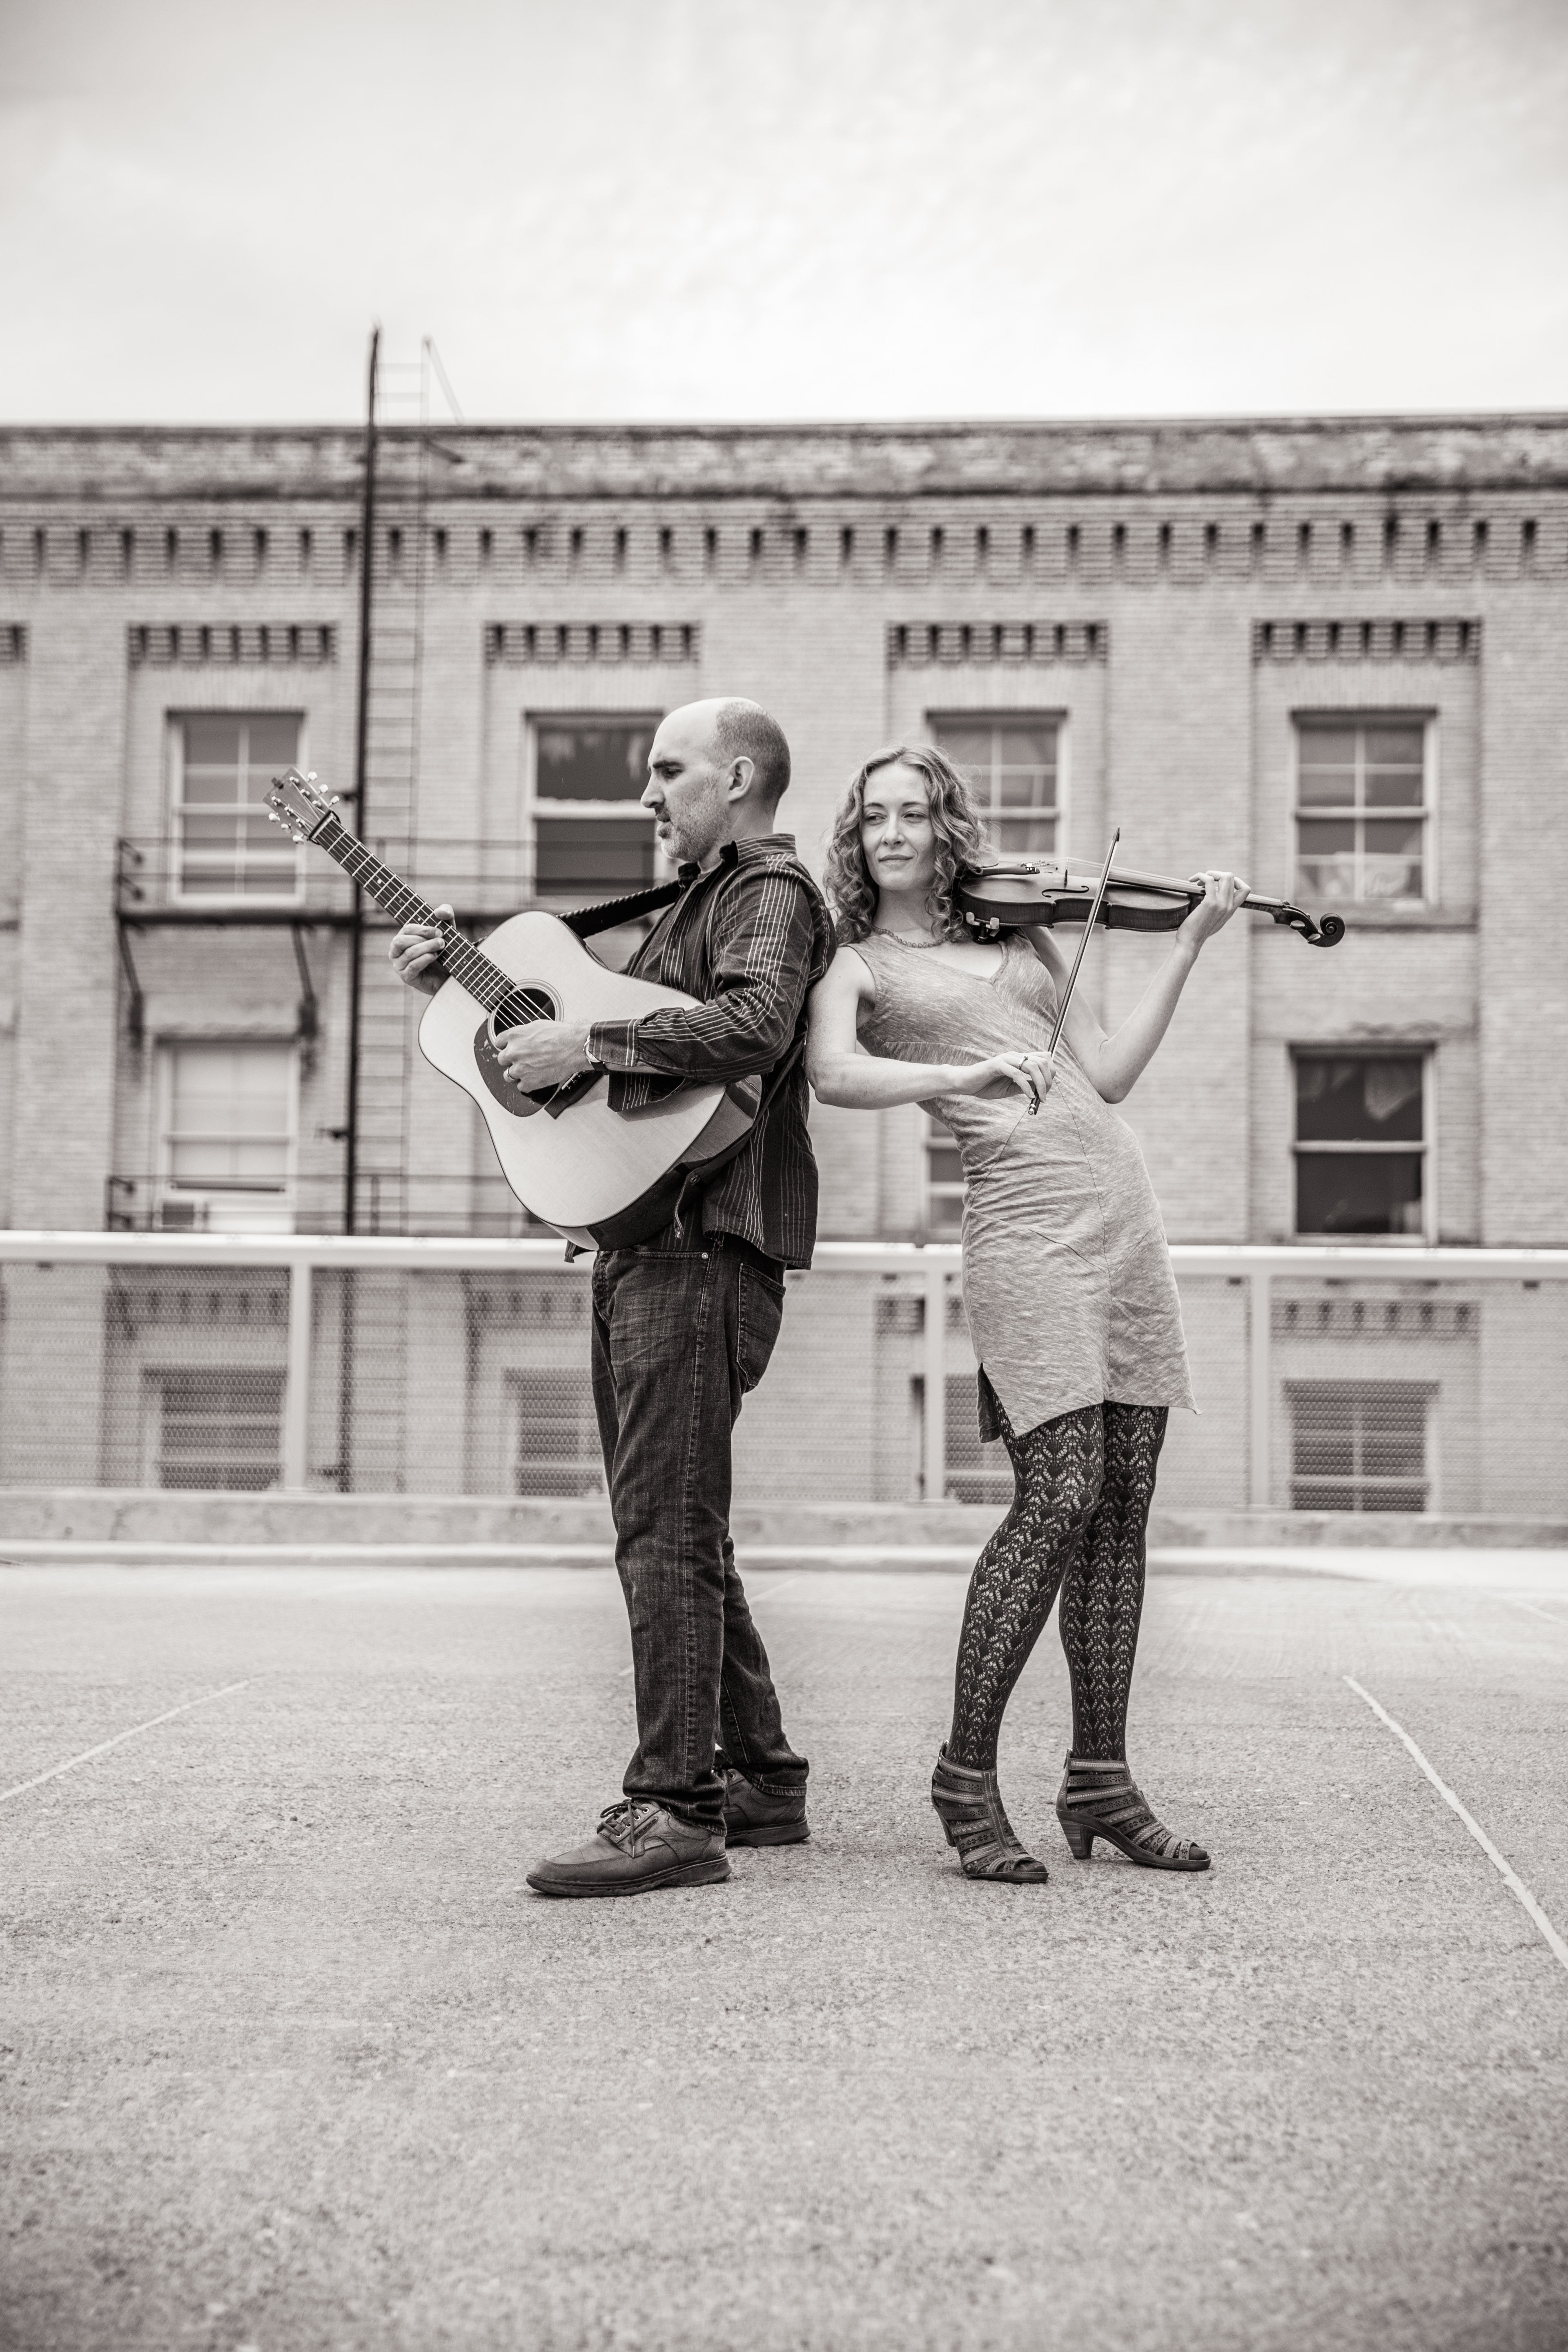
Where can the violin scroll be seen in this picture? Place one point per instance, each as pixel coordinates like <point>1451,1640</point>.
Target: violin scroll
<point>1326,932</point>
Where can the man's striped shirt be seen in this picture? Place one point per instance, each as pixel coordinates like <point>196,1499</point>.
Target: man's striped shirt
<point>750,939</point>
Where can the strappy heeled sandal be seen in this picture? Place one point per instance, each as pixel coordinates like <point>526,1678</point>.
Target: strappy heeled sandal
<point>969,1806</point>
<point>1099,1799</point>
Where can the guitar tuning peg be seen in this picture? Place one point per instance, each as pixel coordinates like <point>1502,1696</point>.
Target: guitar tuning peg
<point>310,776</point>
<point>335,799</point>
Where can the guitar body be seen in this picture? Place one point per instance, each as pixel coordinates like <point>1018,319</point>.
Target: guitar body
<point>600,1178</point>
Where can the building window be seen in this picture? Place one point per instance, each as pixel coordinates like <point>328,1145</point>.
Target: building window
<point>976,1473</point>
<point>1361,1145</point>
<point>1362,811</point>
<point>943,1181</point>
<point>227,1127</point>
<point>590,835</point>
<point>1014,764</point>
<point>214,1427</point>
<point>555,1433</point>
<point>224,846</point>
<point>1359,1445</point>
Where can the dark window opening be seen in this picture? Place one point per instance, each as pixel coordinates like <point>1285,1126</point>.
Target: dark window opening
<point>1360,1144</point>
<point>556,1433</point>
<point>217,1430</point>
<point>1359,1445</point>
<point>591,834</point>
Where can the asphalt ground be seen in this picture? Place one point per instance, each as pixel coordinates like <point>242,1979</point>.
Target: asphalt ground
<point>293,2059</point>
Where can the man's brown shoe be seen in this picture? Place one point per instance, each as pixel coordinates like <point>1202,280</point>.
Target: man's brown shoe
<point>754,1818</point>
<point>638,1848</point>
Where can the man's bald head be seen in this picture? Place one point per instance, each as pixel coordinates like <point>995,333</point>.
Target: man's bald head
<point>716,770</point>
<point>743,730</point>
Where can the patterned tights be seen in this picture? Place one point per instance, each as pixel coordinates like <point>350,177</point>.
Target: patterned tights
<point>1082,1487</point>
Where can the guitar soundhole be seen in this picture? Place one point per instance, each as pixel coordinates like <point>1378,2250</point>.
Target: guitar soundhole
<point>524,1004</point>
<point>530,1002</point>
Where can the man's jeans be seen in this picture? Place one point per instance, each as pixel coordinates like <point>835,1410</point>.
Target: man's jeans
<point>677,1341</point>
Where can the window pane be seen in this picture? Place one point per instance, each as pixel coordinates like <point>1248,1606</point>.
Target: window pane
<point>1326,760</point>
<point>1325,859</point>
<point>1325,1454</point>
<point>557,1434</point>
<point>207,786</point>
<point>1358,1098</point>
<point>1326,787</point>
<point>602,761</point>
<point>1027,742</point>
<point>274,742</point>
<point>966,747</point>
<point>213,742</point>
<point>603,855</point>
<point>217,1429</point>
<point>1394,788</point>
<point>1023,837</point>
<point>212,829</point>
<point>1392,865</point>
<point>1397,747</point>
<point>1371,1192</point>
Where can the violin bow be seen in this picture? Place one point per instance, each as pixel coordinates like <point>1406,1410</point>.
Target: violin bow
<point>1077,959</point>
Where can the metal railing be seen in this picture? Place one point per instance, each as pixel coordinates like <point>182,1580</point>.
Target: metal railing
<point>158,881</point>
<point>481,1207</point>
<point>1356,1379</point>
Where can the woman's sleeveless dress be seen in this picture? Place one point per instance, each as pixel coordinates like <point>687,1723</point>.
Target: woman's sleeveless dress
<point>1066,1275</point>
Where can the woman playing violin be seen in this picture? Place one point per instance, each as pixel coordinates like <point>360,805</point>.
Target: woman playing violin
<point>1068,1285</point>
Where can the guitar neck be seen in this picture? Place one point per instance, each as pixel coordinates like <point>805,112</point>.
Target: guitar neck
<point>462,960</point>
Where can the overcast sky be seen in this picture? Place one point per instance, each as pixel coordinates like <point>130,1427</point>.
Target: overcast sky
<point>783,208</point>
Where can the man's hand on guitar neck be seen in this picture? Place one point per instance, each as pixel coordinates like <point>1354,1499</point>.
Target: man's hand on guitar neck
<point>415,953</point>
<point>544,1053</point>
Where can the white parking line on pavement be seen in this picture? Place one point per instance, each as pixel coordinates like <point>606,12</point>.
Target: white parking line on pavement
<point>1543,1613</point>
<point>1510,1877</point>
<point>104,1745</point>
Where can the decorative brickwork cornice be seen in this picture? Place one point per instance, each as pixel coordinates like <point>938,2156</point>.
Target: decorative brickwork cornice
<point>187,645</point>
<point>1392,455</point>
<point>13,644</point>
<point>671,644</point>
<point>916,645</point>
<point>1377,641</point>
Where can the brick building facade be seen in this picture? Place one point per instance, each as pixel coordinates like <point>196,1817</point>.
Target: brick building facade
<point>1328,654</point>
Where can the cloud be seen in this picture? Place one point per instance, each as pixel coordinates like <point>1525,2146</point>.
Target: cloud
<point>786,207</point>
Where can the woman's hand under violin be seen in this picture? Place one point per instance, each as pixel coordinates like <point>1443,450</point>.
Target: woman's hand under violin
<point>1032,1074</point>
<point>1223,894</point>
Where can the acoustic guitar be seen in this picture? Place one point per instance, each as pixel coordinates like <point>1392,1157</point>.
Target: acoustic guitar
<point>602,1177</point>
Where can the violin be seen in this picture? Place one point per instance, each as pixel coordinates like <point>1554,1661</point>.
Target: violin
<point>1022,895</point>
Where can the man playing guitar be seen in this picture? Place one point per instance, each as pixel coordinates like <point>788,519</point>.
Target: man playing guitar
<point>685,1322</point>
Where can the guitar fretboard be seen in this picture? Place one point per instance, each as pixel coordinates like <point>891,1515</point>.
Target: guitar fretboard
<point>463,960</point>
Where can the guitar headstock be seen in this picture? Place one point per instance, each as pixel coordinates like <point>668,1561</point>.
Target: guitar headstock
<point>296,804</point>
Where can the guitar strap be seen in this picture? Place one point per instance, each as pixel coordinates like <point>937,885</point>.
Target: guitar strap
<point>590,920</point>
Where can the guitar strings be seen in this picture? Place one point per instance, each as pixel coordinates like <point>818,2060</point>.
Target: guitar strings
<point>464,961</point>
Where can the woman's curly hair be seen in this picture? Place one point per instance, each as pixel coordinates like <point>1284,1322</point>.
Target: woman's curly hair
<point>955,820</point>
